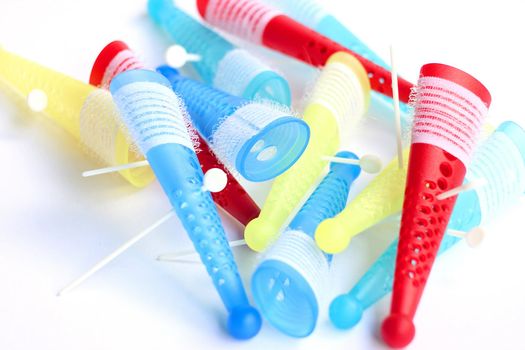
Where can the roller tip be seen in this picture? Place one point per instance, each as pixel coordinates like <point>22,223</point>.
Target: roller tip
<point>345,311</point>
<point>397,331</point>
<point>259,233</point>
<point>331,237</point>
<point>244,322</point>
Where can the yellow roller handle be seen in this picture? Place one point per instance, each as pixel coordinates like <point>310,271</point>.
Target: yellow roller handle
<point>381,198</point>
<point>339,99</point>
<point>68,102</point>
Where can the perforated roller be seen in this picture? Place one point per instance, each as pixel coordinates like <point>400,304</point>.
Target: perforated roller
<point>155,117</point>
<point>222,65</point>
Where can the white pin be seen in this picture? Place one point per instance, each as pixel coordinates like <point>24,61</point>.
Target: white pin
<point>115,168</point>
<point>110,257</point>
<point>397,111</point>
<point>463,188</point>
<point>473,238</point>
<point>369,163</point>
<point>179,256</point>
<point>177,56</point>
<point>215,180</point>
<point>37,100</point>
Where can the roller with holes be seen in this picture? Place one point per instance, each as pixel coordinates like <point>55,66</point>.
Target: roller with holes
<point>255,139</point>
<point>155,117</point>
<point>313,15</point>
<point>338,101</point>
<point>262,24</point>
<point>222,65</point>
<point>450,108</point>
<point>381,198</point>
<point>85,112</point>
<point>116,58</point>
<point>502,154</point>
<point>288,283</point>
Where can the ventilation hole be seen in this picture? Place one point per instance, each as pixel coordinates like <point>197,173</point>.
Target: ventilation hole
<point>411,274</point>
<point>426,246</point>
<point>311,43</point>
<point>190,217</point>
<point>432,221</point>
<point>421,222</point>
<point>436,208</point>
<point>413,262</point>
<point>280,296</point>
<point>221,281</point>
<point>425,209</point>
<point>442,183</point>
<point>381,80</point>
<point>430,185</point>
<point>422,258</point>
<point>267,153</point>
<point>370,75</point>
<point>258,146</point>
<point>430,233</point>
<point>445,169</point>
<point>323,50</point>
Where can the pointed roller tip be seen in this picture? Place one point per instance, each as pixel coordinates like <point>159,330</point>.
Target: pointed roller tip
<point>345,311</point>
<point>202,5</point>
<point>332,237</point>
<point>259,233</point>
<point>244,322</point>
<point>397,331</point>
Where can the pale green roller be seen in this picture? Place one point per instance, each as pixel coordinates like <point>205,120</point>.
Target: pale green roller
<point>338,101</point>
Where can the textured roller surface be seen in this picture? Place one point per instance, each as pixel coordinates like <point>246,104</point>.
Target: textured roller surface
<point>288,283</point>
<point>338,101</point>
<point>88,114</point>
<point>222,64</point>
<point>499,155</point>
<point>255,21</point>
<point>255,139</point>
<point>116,58</point>
<point>155,117</point>
<point>450,108</point>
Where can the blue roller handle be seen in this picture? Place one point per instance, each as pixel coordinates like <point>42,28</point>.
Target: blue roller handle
<point>206,105</point>
<point>330,197</point>
<point>192,35</point>
<point>149,109</point>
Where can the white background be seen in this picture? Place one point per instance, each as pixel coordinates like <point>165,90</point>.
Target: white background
<point>55,224</point>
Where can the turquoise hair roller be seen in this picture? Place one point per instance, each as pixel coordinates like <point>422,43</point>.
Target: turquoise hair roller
<point>256,139</point>
<point>222,65</point>
<point>155,118</point>
<point>311,14</point>
<point>287,285</point>
<point>500,160</point>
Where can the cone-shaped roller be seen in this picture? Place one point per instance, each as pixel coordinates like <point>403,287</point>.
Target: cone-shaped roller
<point>116,58</point>
<point>255,139</point>
<point>288,283</point>
<point>259,23</point>
<point>313,15</point>
<point>450,109</point>
<point>87,113</point>
<point>155,117</point>
<point>381,198</point>
<point>221,64</point>
<point>502,154</point>
<point>338,101</point>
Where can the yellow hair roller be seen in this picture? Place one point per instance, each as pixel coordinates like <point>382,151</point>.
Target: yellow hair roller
<point>86,112</point>
<point>339,100</point>
<point>381,198</point>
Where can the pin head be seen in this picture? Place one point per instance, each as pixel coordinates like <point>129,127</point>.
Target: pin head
<point>370,164</point>
<point>475,237</point>
<point>215,180</point>
<point>331,237</point>
<point>258,234</point>
<point>37,100</point>
<point>398,330</point>
<point>244,322</point>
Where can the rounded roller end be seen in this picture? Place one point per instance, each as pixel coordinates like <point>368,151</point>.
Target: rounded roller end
<point>258,234</point>
<point>244,322</point>
<point>331,237</point>
<point>397,331</point>
<point>345,311</point>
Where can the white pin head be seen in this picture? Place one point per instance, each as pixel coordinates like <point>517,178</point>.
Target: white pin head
<point>370,164</point>
<point>215,180</point>
<point>475,237</point>
<point>37,100</point>
<point>177,56</point>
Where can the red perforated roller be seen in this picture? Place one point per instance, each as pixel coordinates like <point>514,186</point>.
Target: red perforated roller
<point>450,108</point>
<point>259,23</point>
<point>116,58</point>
